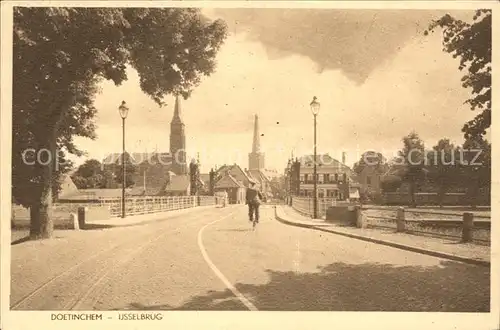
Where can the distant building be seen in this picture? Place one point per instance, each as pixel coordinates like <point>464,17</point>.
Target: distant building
<point>334,179</point>
<point>152,169</point>
<point>256,166</point>
<point>177,185</point>
<point>235,189</point>
<point>370,180</point>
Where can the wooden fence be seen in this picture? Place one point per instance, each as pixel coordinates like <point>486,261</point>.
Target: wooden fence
<point>468,225</point>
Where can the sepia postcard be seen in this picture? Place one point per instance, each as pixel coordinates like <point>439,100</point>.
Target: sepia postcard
<point>182,164</point>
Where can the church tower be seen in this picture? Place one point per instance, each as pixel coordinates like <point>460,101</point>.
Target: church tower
<point>178,141</point>
<point>256,158</point>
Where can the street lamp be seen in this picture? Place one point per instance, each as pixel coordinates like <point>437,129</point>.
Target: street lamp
<point>123,110</point>
<point>315,110</point>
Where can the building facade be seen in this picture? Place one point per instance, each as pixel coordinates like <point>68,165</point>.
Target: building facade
<point>334,179</point>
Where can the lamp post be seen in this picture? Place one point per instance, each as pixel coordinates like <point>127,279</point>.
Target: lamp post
<point>123,110</point>
<point>315,110</point>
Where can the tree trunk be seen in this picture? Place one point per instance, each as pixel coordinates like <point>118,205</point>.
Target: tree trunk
<point>41,221</point>
<point>412,194</point>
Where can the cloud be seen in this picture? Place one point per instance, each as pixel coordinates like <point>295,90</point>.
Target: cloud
<point>352,40</point>
<point>369,101</point>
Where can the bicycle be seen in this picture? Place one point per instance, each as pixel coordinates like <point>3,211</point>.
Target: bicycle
<point>254,224</point>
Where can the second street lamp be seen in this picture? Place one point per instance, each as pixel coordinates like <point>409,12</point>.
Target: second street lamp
<point>315,110</point>
<point>123,109</point>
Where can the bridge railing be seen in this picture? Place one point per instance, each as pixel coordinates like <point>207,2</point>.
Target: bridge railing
<point>154,204</point>
<point>305,205</point>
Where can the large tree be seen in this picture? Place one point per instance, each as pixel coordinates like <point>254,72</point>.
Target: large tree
<point>373,159</point>
<point>476,168</point>
<point>61,55</point>
<point>92,174</point>
<point>412,159</point>
<point>130,170</point>
<point>471,43</point>
<point>443,162</point>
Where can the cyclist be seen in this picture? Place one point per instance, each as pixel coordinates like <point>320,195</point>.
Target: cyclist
<point>253,200</point>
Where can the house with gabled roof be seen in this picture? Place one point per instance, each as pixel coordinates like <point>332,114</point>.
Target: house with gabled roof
<point>235,189</point>
<point>236,171</point>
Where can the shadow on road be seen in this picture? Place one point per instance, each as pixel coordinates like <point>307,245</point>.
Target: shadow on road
<point>449,287</point>
<point>20,234</point>
<point>95,226</point>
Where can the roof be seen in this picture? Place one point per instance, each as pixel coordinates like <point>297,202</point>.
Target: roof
<point>324,160</point>
<point>150,191</point>
<point>138,157</point>
<point>68,187</point>
<point>178,183</point>
<point>235,171</point>
<point>228,181</point>
<point>258,175</point>
<point>95,194</point>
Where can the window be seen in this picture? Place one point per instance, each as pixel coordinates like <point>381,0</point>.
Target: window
<point>326,177</point>
<point>306,178</point>
<point>336,177</point>
<point>368,180</point>
<point>301,178</point>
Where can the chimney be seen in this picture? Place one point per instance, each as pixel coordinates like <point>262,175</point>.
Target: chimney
<point>343,157</point>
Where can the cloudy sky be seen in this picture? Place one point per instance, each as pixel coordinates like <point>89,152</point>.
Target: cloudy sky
<point>374,72</point>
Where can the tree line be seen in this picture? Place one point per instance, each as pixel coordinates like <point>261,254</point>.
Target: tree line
<point>443,168</point>
<point>92,174</point>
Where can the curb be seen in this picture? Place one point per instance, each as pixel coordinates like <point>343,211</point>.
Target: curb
<point>388,243</point>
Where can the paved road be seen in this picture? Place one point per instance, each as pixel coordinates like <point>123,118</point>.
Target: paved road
<point>212,260</point>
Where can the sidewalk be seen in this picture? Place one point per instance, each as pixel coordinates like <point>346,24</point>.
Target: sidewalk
<point>442,248</point>
<point>136,220</point>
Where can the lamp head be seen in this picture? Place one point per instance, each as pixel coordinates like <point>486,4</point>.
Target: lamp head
<point>123,109</point>
<point>315,106</point>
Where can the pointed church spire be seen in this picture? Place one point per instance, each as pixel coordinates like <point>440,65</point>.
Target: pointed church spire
<point>177,110</point>
<point>256,137</point>
<point>256,158</point>
<point>178,140</point>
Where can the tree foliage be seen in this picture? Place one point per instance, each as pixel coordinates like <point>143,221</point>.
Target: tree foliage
<point>476,168</point>
<point>130,171</point>
<point>91,175</point>
<point>471,43</point>
<point>443,163</point>
<point>373,159</point>
<point>60,57</point>
<point>412,157</point>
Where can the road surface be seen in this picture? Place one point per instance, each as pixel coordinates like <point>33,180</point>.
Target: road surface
<point>212,260</point>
